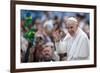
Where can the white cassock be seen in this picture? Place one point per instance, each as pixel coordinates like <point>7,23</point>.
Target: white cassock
<point>77,46</point>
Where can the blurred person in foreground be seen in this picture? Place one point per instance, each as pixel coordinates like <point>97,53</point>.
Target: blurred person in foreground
<point>24,46</point>
<point>35,51</point>
<point>48,53</point>
<point>77,42</point>
<point>60,44</point>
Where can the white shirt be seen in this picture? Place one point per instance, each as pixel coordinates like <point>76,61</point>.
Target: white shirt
<point>77,46</point>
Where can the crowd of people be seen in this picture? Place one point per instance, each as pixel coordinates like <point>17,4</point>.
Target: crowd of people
<point>54,36</point>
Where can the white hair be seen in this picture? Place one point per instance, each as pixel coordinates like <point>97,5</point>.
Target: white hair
<point>72,19</point>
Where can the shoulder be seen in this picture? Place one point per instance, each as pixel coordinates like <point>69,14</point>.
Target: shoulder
<point>83,34</point>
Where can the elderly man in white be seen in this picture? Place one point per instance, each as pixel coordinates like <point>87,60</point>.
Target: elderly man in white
<point>77,42</point>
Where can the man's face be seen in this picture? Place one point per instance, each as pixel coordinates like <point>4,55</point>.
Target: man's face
<point>37,23</point>
<point>47,53</point>
<point>71,27</point>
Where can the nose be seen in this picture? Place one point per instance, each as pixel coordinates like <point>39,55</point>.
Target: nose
<point>69,30</point>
